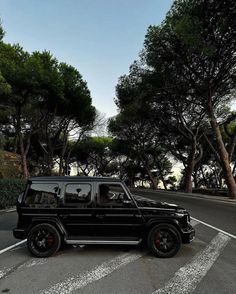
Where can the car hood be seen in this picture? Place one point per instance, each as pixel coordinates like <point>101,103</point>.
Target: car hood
<point>146,202</point>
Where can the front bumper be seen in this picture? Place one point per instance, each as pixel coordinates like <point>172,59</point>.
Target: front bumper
<point>188,234</point>
<point>19,233</point>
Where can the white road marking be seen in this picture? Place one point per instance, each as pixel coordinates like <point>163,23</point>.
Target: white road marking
<point>215,228</point>
<point>194,222</point>
<point>4,272</point>
<point>12,246</point>
<point>90,276</point>
<point>33,262</point>
<point>27,264</point>
<point>187,277</point>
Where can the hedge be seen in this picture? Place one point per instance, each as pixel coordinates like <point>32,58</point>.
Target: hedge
<point>9,191</point>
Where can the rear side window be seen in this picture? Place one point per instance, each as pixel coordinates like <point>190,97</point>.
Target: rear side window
<point>78,193</point>
<point>42,195</point>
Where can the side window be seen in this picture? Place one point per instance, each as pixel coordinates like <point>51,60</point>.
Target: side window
<point>111,195</point>
<point>78,193</point>
<point>42,195</point>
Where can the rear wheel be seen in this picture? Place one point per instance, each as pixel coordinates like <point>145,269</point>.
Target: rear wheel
<point>43,240</point>
<point>164,240</point>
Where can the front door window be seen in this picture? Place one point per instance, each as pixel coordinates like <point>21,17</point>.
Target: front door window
<point>111,195</point>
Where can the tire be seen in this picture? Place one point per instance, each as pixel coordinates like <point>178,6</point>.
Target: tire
<point>164,240</point>
<point>43,240</point>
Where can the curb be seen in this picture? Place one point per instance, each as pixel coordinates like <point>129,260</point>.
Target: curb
<point>188,195</point>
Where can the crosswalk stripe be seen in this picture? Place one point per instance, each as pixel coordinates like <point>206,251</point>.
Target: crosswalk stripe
<point>4,272</point>
<point>30,263</point>
<point>187,277</point>
<point>90,276</point>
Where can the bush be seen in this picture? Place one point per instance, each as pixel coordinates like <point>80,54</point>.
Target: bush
<point>9,191</point>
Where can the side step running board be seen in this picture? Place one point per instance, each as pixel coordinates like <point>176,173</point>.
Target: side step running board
<point>120,242</point>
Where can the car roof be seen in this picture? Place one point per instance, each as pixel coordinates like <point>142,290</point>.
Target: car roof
<point>74,179</point>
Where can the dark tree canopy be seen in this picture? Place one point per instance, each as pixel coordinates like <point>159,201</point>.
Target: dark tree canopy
<point>41,101</point>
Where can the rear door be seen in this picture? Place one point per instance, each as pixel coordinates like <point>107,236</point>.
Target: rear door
<point>116,214</point>
<point>76,212</point>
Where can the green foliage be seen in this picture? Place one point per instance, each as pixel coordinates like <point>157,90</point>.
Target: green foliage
<point>94,155</point>
<point>9,191</point>
<point>197,41</point>
<point>138,138</point>
<point>4,86</point>
<point>77,100</point>
<point>1,32</point>
<point>42,99</point>
<point>186,76</point>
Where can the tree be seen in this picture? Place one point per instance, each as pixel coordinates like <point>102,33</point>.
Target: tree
<point>35,85</point>
<point>70,118</point>
<point>141,142</point>
<point>45,98</point>
<point>94,155</point>
<point>198,40</point>
<point>176,121</point>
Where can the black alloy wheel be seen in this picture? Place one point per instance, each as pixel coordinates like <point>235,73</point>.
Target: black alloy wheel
<point>43,240</point>
<point>164,240</point>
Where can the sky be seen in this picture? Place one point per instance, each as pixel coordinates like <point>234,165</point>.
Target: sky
<point>101,38</point>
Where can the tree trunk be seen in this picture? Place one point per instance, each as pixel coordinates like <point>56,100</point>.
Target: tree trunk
<point>152,178</point>
<point>50,163</point>
<point>195,179</point>
<point>67,162</point>
<point>24,166</point>
<point>62,159</point>
<point>224,156</point>
<point>149,172</point>
<point>189,169</point>
<point>23,150</point>
<point>163,180</point>
<point>23,154</point>
<point>131,180</point>
<point>233,144</point>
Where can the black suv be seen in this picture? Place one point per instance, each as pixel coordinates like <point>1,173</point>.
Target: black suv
<point>94,210</point>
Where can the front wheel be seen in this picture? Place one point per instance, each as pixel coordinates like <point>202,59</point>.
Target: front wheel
<point>43,240</point>
<point>164,240</point>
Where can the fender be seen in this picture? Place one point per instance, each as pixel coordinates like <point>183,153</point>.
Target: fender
<point>155,221</point>
<point>52,220</point>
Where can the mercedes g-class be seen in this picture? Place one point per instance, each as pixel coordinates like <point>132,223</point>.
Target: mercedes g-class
<point>96,210</point>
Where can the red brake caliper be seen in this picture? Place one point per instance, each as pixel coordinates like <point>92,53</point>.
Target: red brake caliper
<point>50,240</point>
<point>157,239</point>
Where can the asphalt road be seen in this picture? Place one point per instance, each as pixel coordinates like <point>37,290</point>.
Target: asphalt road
<point>217,213</point>
<point>7,223</point>
<point>207,265</point>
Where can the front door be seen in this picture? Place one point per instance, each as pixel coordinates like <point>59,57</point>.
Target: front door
<point>116,214</point>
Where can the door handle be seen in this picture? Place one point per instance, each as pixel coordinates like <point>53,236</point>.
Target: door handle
<point>100,215</point>
<point>64,216</point>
